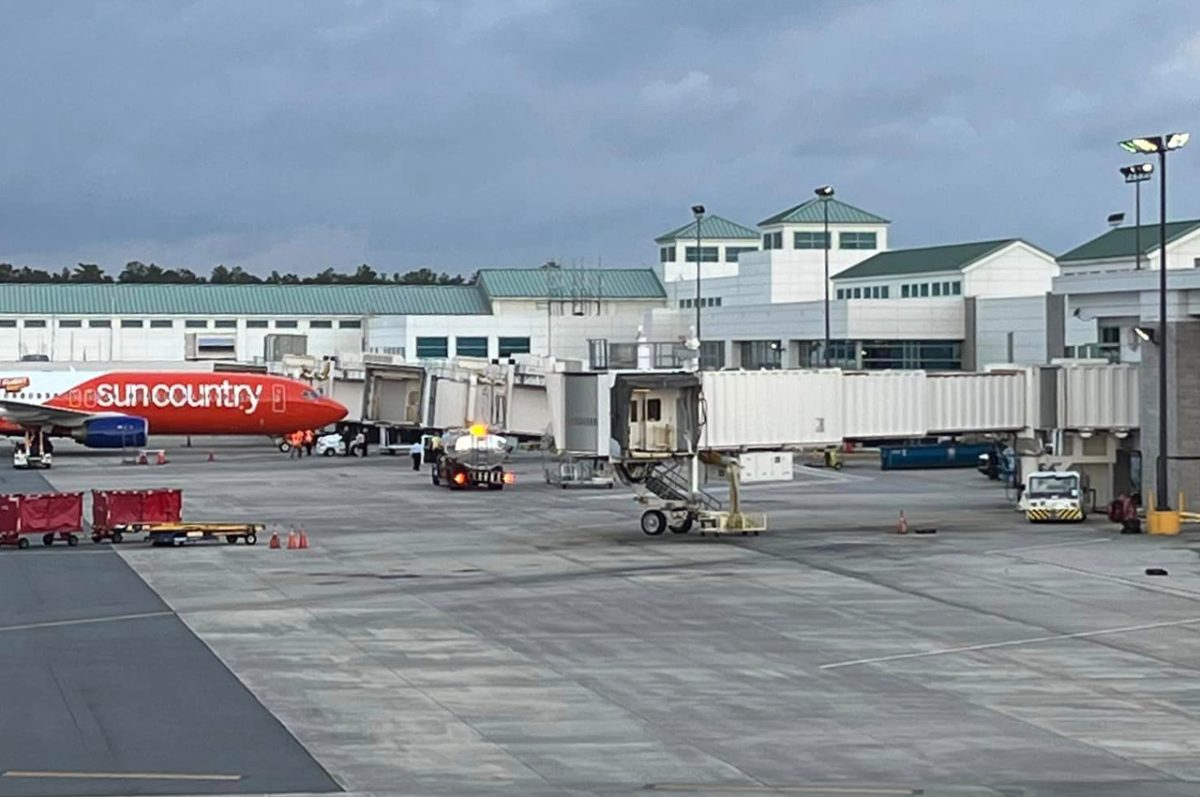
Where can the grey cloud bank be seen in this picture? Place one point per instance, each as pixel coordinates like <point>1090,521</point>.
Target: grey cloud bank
<point>459,135</point>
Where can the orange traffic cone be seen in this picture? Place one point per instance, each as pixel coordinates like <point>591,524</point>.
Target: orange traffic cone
<point>902,526</point>
<point>274,537</point>
<point>293,540</point>
<point>303,538</point>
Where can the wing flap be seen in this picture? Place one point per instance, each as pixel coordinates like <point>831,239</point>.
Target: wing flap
<point>26,414</point>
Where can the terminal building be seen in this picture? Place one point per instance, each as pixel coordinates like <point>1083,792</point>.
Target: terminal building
<point>958,306</point>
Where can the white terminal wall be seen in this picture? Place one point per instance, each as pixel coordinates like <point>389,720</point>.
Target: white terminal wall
<point>555,330</point>
<point>104,344</point>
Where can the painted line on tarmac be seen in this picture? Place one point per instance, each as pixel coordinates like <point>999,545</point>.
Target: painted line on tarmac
<point>18,773</point>
<point>1012,643</point>
<point>1045,545</point>
<point>85,621</point>
<point>751,788</point>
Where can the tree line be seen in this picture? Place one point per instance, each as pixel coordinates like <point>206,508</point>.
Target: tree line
<point>137,272</point>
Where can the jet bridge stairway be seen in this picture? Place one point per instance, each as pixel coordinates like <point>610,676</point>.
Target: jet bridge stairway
<point>668,480</point>
<point>679,508</point>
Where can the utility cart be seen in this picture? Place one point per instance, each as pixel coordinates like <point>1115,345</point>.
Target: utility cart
<point>191,532</point>
<point>568,470</point>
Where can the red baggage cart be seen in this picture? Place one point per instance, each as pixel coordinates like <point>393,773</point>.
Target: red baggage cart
<point>53,515</point>
<point>117,512</point>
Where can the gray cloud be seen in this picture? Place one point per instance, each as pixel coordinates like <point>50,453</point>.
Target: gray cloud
<point>293,135</point>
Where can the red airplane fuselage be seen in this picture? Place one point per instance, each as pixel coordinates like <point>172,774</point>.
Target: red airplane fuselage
<point>171,402</point>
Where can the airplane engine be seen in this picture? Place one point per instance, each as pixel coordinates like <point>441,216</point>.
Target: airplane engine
<point>114,431</point>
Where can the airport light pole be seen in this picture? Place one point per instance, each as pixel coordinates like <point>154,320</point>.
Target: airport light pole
<point>1137,174</point>
<point>825,193</point>
<point>698,212</point>
<point>1160,145</point>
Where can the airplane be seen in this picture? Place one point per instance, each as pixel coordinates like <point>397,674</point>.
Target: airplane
<point>116,409</point>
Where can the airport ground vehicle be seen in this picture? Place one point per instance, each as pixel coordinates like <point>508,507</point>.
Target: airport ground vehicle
<point>330,445</point>
<point>117,512</point>
<point>24,460</point>
<point>52,515</point>
<point>1051,496</point>
<point>471,458</point>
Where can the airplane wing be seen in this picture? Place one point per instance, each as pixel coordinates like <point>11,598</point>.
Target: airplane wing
<point>26,414</point>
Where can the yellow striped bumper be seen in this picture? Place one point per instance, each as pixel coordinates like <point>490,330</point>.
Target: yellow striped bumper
<point>1053,515</point>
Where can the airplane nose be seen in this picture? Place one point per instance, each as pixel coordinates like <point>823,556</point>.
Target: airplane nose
<point>334,410</point>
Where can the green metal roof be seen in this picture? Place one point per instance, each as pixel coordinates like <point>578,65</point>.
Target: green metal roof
<point>208,300</point>
<point>604,283</point>
<point>812,212</point>
<point>710,227</point>
<point>1120,242</point>
<point>899,262</point>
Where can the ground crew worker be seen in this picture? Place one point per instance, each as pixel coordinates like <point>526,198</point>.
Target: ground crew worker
<point>295,440</point>
<point>308,442</point>
<point>417,451</point>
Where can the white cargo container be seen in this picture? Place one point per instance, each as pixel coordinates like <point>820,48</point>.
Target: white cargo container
<point>771,409</point>
<point>766,466</point>
<point>884,404</point>
<point>992,402</point>
<point>1098,397</point>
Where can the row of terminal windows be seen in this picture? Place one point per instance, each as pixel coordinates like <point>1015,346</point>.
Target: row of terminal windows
<point>868,292</point>
<point>818,240</point>
<point>708,254</point>
<point>923,289</point>
<point>191,323</point>
<point>439,347</point>
<point>705,301</point>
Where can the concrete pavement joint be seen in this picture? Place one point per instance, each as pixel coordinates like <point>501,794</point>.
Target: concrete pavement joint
<point>1012,643</point>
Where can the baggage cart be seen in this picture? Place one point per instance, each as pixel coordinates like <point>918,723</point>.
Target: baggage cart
<point>115,512</point>
<point>191,532</point>
<point>55,516</point>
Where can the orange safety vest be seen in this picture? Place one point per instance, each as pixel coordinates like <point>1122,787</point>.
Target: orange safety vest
<point>308,437</point>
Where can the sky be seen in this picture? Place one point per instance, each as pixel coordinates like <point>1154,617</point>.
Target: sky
<point>290,135</point>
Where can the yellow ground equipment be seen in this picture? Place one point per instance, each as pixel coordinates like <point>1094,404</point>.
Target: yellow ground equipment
<point>1053,496</point>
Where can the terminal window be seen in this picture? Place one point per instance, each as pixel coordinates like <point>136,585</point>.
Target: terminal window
<point>810,240</point>
<point>857,240</point>
<point>286,324</point>
<point>132,323</point>
<point>256,323</point>
<point>320,324</point>
<point>666,254</point>
<point>225,323</point>
<point>432,347</point>
<point>195,323</point>
<point>35,323</point>
<point>732,253</point>
<point>511,346</point>
<point>8,322</point>
<point>100,323</point>
<point>70,323</point>
<point>471,347</point>
<point>350,323</point>
<point>773,240</point>
<point>161,323</point>
<point>708,254</point>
